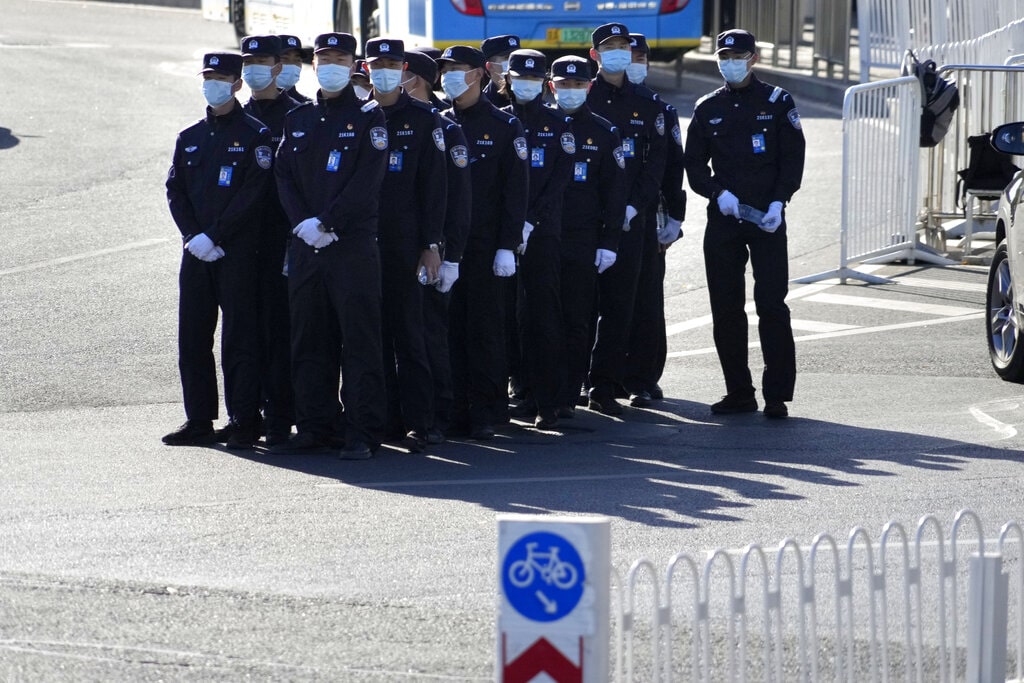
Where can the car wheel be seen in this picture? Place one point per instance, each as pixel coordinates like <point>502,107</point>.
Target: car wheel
<point>1003,323</point>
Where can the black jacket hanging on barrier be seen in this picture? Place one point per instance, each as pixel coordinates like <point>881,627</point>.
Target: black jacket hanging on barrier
<point>939,100</point>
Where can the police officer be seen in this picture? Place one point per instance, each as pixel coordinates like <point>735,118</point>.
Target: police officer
<point>411,232</point>
<point>750,133</point>
<point>647,343</point>
<point>639,116</point>
<point>498,168</point>
<point>361,79</point>
<point>261,66</point>
<point>496,51</point>
<point>215,190</point>
<point>329,170</point>
<point>291,67</point>
<point>552,147</point>
<point>421,75</point>
<point>593,210</point>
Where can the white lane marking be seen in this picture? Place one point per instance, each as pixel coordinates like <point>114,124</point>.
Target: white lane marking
<point>54,46</point>
<point>81,257</point>
<point>890,304</point>
<point>847,333</point>
<point>676,328</point>
<point>1002,430</point>
<point>815,326</point>
<point>954,285</point>
<point>122,5</point>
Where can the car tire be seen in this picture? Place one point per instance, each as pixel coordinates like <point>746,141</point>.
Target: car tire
<point>1003,322</point>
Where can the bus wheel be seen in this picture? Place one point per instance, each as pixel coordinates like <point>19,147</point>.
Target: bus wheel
<point>237,8</point>
<point>342,17</point>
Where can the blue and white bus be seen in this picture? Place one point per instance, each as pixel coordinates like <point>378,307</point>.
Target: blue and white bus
<point>671,26</point>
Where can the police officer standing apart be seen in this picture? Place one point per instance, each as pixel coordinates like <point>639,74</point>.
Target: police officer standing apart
<point>329,170</point>
<point>552,148</point>
<point>421,74</point>
<point>496,51</point>
<point>640,118</point>
<point>750,133</point>
<point>592,213</point>
<point>261,66</point>
<point>499,174</point>
<point>216,190</point>
<point>291,67</point>
<point>411,233</point>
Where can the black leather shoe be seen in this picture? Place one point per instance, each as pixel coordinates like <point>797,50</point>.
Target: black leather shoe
<point>225,432</point>
<point>604,402</point>
<point>435,436</point>
<point>415,441</point>
<point>523,410</point>
<point>356,450</point>
<point>545,421</point>
<point>192,433</point>
<point>641,399</point>
<point>655,391</point>
<point>775,410</point>
<point>242,438</point>
<point>301,443</point>
<point>735,403</point>
<point>482,433</point>
<point>276,438</point>
<point>565,412</point>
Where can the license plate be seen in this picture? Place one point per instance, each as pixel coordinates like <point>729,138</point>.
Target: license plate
<point>572,36</point>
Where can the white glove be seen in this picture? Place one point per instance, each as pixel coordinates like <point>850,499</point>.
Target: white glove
<point>728,204</point>
<point>670,232</point>
<point>527,229</point>
<point>604,259</point>
<point>308,231</point>
<point>201,246</point>
<point>631,213</point>
<point>504,263</point>
<point>447,274</point>
<point>324,239</point>
<point>214,255</point>
<point>772,218</point>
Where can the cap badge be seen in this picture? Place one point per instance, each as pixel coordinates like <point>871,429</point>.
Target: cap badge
<point>253,44</point>
<point>214,61</point>
<point>529,63</point>
<point>616,30</point>
<point>512,41</point>
<point>292,41</point>
<point>447,53</point>
<point>730,40</point>
<point>332,40</point>
<point>570,69</point>
<point>384,47</point>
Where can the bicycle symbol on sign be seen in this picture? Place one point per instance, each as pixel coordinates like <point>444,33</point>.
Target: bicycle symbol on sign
<point>553,570</point>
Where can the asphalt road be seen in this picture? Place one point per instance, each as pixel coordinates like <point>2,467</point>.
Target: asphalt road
<point>123,559</point>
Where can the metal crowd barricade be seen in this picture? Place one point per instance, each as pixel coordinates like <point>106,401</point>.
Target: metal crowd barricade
<point>916,605</point>
<point>881,160</point>
<point>778,25</point>
<point>832,37</point>
<point>990,95</point>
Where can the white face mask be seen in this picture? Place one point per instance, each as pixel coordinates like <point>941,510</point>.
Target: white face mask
<point>570,99</point>
<point>217,92</point>
<point>333,77</point>
<point>504,66</point>
<point>733,70</point>
<point>526,91</point>
<point>386,80</point>
<point>454,84</point>
<point>615,61</point>
<point>289,76</point>
<point>361,92</point>
<point>257,76</point>
<point>636,72</point>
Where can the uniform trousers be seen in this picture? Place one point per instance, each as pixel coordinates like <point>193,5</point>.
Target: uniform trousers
<point>435,322</point>
<point>616,302</point>
<point>728,243</point>
<point>539,313</point>
<point>579,296</point>
<point>404,338</point>
<point>335,293</point>
<point>275,335</point>
<point>227,285</point>
<point>476,337</point>
<point>647,344</point>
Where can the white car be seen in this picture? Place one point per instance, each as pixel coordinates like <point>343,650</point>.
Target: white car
<point>1005,321</point>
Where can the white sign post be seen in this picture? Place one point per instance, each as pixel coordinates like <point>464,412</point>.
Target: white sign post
<point>553,604</point>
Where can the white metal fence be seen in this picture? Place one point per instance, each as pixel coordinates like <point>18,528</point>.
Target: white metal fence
<point>917,605</point>
<point>888,28</point>
<point>881,162</point>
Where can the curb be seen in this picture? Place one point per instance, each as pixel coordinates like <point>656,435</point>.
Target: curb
<point>183,4</point>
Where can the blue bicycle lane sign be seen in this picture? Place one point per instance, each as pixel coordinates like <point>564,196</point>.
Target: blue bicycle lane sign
<point>543,576</point>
